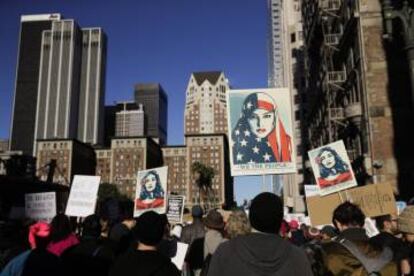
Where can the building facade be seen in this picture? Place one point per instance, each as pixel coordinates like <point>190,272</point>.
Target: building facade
<point>129,120</point>
<point>358,89</point>
<point>175,157</point>
<point>72,157</point>
<point>205,107</point>
<point>27,78</point>
<point>92,87</point>
<point>103,164</point>
<point>155,101</point>
<point>59,78</point>
<point>4,145</point>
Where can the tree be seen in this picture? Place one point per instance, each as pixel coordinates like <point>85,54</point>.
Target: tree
<point>204,176</point>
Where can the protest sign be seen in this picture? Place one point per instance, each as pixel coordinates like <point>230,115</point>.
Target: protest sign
<point>40,206</point>
<point>175,208</point>
<point>374,200</point>
<point>370,227</point>
<point>178,259</point>
<point>332,168</point>
<point>83,195</point>
<point>311,190</point>
<point>260,132</point>
<point>150,191</point>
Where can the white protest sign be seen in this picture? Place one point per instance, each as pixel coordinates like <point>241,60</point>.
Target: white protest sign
<point>175,208</point>
<point>83,195</point>
<point>178,259</point>
<point>40,206</point>
<point>311,190</point>
<point>370,227</point>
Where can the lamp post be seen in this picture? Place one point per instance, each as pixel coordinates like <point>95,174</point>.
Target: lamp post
<point>406,16</point>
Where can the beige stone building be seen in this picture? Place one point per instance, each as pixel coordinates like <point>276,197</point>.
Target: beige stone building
<point>175,157</point>
<point>103,164</point>
<point>358,90</point>
<point>72,157</point>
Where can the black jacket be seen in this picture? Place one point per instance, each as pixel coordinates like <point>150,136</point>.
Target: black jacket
<point>259,254</point>
<point>144,263</point>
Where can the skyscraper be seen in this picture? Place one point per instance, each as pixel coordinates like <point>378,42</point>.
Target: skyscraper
<point>155,101</point>
<point>92,87</point>
<point>59,78</point>
<point>205,108</point>
<point>129,120</point>
<point>27,77</point>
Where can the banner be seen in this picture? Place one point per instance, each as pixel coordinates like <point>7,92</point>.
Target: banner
<point>374,200</point>
<point>175,208</point>
<point>331,168</point>
<point>83,195</point>
<point>150,193</point>
<point>40,206</point>
<point>260,132</point>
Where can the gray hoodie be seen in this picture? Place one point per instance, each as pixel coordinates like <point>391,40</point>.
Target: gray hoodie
<point>259,254</point>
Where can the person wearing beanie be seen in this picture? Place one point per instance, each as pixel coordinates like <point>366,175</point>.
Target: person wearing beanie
<point>196,229</point>
<point>145,260</point>
<point>328,232</point>
<point>38,260</point>
<point>262,252</point>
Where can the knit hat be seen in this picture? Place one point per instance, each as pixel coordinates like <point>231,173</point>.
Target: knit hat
<point>150,228</point>
<point>197,211</point>
<point>214,220</point>
<point>294,224</point>
<point>406,220</point>
<point>38,230</point>
<point>329,230</point>
<point>266,213</point>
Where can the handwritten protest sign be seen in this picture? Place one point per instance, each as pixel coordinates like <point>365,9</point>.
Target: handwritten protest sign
<point>374,200</point>
<point>83,195</point>
<point>40,206</point>
<point>175,208</point>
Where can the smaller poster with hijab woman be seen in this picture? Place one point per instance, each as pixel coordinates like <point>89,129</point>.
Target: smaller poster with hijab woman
<point>260,132</point>
<point>150,193</point>
<point>332,168</point>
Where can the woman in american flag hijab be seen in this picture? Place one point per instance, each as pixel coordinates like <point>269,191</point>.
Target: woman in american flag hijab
<point>259,135</point>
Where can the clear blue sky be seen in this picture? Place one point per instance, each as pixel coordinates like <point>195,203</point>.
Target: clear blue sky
<point>156,41</point>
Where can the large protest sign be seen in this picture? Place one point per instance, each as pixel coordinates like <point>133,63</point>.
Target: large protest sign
<point>40,206</point>
<point>83,195</point>
<point>175,208</point>
<point>260,132</point>
<point>179,257</point>
<point>374,200</point>
<point>150,193</point>
<point>331,168</point>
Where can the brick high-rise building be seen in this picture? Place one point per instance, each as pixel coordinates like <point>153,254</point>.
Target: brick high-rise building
<point>92,87</point>
<point>358,90</point>
<point>72,157</point>
<point>103,164</point>
<point>27,78</point>
<point>175,157</point>
<point>205,107</point>
<point>129,120</point>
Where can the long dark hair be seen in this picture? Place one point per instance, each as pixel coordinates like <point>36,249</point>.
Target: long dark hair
<point>158,191</point>
<point>340,165</point>
<point>60,228</point>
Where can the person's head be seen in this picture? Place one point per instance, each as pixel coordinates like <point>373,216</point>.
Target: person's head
<point>387,223</point>
<point>348,215</point>
<point>328,232</point>
<point>149,229</point>
<point>266,213</point>
<point>60,227</point>
<point>127,213</point>
<point>293,225</point>
<point>214,220</point>
<point>197,212</point>
<point>39,235</point>
<point>91,227</point>
<point>406,223</point>
<point>329,160</point>
<point>237,224</point>
<point>151,186</point>
<point>260,110</point>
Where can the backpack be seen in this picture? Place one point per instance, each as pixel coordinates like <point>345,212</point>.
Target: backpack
<point>373,266</point>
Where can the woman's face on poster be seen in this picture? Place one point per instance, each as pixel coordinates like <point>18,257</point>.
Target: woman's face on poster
<point>262,122</point>
<point>327,159</point>
<point>150,182</point>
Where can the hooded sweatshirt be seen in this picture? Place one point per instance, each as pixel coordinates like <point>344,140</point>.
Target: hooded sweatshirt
<point>259,254</point>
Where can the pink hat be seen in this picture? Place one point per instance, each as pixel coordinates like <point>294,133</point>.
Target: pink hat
<point>39,229</point>
<point>294,224</point>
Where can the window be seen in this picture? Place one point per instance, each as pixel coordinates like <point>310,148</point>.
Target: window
<point>292,37</point>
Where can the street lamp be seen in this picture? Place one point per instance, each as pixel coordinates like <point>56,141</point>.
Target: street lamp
<point>406,16</point>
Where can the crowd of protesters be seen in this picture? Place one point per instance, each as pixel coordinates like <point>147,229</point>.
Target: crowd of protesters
<point>257,242</point>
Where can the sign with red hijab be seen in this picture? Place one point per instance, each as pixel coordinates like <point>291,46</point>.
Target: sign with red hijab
<point>260,132</point>
<point>150,193</point>
<point>332,168</point>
